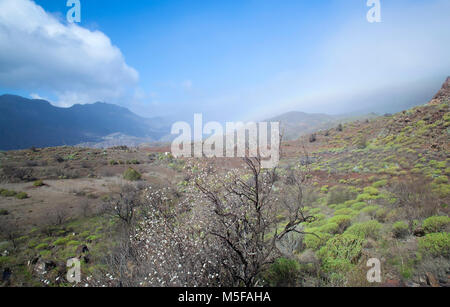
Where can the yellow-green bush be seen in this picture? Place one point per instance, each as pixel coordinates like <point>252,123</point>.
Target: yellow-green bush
<point>282,273</point>
<point>436,224</point>
<point>343,221</point>
<point>341,252</point>
<point>315,240</point>
<point>132,175</point>
<point>400,229</point>
<point>370,229</point>
<point>435,244</point>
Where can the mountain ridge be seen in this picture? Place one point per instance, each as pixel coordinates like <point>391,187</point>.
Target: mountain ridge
<point>25,123</point>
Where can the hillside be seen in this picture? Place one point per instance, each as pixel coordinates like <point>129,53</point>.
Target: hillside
<point>295,124</point>
<point>25,123</point>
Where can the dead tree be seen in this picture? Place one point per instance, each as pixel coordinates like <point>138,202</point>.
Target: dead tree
<point>124,206</point>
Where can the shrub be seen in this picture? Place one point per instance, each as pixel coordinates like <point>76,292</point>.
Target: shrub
<point>343,221</point>
<point>358,206</point>
<point>316,240</point>
<point>339,195</point>
<point>61,241</point>
<point>370,229</point>
<point>400,229</point>
<point>132,175</point>
<point>380,184</point>
<point>22,195</point>
<point>73,243</point>
<point>7,193</point>
<point>41,246</point>
<point>441,179</point>
<point>341,252</point>
<point>365,197</point>
<point>371,210</point>
<point>331,228</point>
<point>38,183</point>
<point>3,212</point>
<point>283,273</point>
<point>371,191</point>
<point>344,211</point>
<point>435,244</point>
<point>436,224</point>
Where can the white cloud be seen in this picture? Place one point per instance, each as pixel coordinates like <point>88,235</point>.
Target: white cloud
<point>40,53</point>
<point>37,96</point>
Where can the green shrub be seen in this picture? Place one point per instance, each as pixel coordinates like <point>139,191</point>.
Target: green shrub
<point>73,243</point>
<point>343,221</point>
<point>7,193</point>
<point>315,240</point>
<point>283,273</point>
<point>345,211</point>
<point>371,191</point>
<point>380,184</point>
<point>41,246</point>
<point>61,241</point>
<point>4,212</point>
<point>370,210</point>
<point>381,214</point>
<point>370,229</point>
<point>339,195</point>
<point>441,179</point>
<point>38,183</point>
<point>436,244</point>
<point>341,252</point>
<point>365,197</point>
<point>400,229</point>
<point>22,195</point>
<point>436,224</point>
<point>331,228</point>
<point>358,206</point>
<point>132,175</point>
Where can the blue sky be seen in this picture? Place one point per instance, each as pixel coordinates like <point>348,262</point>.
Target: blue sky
<point>242,59</point>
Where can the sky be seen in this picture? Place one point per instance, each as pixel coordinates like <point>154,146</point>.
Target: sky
<point>229,60</point>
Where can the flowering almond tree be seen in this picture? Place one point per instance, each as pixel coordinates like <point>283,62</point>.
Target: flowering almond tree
<point>242,214</point>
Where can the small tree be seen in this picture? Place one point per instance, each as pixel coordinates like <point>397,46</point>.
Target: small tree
<point>125,204</point>
<point>132,175</point>
<point>243,218</point>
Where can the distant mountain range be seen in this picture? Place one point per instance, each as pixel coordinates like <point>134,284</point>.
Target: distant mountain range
<point>25,123</point>
<point>29,122</point>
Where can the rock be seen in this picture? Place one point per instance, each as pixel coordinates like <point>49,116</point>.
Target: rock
<point>81,250</point>
<point>392,283</point>
<point>43,266</point>
<point>308,257</point>
<point>443,94</point>
<point>6,276</point>
<point>432,281</point>
<point>419,232</point>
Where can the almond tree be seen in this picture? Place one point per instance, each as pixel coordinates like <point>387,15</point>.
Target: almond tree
<point>243,210</point>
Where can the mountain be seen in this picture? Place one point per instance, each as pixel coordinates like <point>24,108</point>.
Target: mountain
<point>296,124</point>
<point>443,94</point>
<point>29,122</point>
